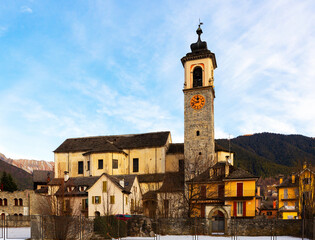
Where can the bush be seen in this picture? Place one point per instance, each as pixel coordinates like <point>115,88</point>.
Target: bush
<point>110,227</point>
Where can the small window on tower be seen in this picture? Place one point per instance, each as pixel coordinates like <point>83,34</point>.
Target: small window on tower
<point>197,133</point>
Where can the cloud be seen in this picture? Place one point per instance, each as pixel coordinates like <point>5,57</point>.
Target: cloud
<point>26,9</point>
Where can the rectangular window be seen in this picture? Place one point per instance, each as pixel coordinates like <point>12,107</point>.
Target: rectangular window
<point>307,180</point>
<point>80,167</point>
<point>239,209</point>
<point>100,164</point>
<point>166,207</point>
<point>84,204</point>
<point>115,164</point>
<point>88,165</point>
<point>221,191</point>
<point>104,186</point>
<point>239,189</point>
<point>136,165</point>
<point>112,199</point>
<point>96,199</point>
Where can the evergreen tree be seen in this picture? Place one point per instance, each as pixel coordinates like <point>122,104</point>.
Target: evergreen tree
<point>8,183</point>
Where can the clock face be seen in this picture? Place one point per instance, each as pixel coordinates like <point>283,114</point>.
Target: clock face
<point>197,102</point>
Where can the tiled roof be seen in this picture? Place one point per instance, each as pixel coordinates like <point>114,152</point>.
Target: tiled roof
<point>115,143</point>
<point>56,181</point>
<point>173,182</point>
<point>154,177</point>
<point>287,182</point>
<point>76,182</point>
<point>219,174</point>
<point>175,148</point>
<point>41,175</point>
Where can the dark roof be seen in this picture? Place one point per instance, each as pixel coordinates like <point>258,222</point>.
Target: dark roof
<point>42,190</point>
<point>128,181</point>
<point>267,205</point>
<point>173,182</point>
<point>115,143</point>
<point>287,182</point>
<point>56,181</point>
<point>154,177</point>
<point>219,174</point>
<point>149,195</point>
<point>76,182</point>
<point>179,148</point>
<point>42,175</point>
<point>175,148</point>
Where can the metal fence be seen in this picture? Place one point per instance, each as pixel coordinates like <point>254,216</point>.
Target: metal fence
<point>79,227</point>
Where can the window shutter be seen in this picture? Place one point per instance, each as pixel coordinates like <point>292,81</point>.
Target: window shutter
<point>104,186</point>
<point>100,199</point>
<point>93,200</point>
<point>244,208</point>
<point>235,209</point>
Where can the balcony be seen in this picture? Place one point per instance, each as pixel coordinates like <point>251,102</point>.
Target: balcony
<point>244,195</point>
<point>288,197</point>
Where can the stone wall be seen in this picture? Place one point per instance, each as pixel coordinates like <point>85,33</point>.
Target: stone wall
<point>142,226</point>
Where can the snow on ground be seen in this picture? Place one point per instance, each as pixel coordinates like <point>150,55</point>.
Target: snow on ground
<point>15,233</point>
<point>182,237</point>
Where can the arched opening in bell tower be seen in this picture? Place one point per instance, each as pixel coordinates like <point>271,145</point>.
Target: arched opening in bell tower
<point>197,77</point>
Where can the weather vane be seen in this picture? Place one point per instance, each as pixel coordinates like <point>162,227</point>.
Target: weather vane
<point>200,23</point>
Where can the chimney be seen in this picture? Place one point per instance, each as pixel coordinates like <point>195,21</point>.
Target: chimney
<point>122,183</point>
<point>281,179</point>
<point>304,165</point>
<point>66,176</point>
<point>258,190</point>
<point>48,177</point>
<point>274,204</point>
<point>293,178</point>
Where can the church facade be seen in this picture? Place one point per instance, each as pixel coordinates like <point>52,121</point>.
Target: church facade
<point>162,167</point>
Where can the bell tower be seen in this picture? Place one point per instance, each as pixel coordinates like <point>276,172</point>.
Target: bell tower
<point>199,65</point>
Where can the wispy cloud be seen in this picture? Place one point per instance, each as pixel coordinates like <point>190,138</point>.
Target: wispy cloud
<point>26,9</point>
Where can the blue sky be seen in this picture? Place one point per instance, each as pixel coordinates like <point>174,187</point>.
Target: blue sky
<point>88,68</point>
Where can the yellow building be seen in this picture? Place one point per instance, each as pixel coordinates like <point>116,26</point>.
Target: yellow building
<point>296,193</point>
<point>221,192</point>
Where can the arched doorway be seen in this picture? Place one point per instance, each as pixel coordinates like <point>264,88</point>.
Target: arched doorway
<point>97,214</point>
<point>218,222</point>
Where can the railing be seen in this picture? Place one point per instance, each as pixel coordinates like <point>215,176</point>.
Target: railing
<point>288,196</point>
<point>245,193</point>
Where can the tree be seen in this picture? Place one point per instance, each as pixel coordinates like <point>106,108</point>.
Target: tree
<point>7,183</point>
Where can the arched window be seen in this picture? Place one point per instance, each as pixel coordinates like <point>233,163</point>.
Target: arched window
<point>15,202</point>
<point>197,77</point>
<point>21,202</point>
<point>5,202</point>
<point>0,201</point>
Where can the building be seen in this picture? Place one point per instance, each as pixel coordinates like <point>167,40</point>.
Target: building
<point>221,192</point>
<point>40,179</point>
<point>269,209</point>
<point>296,194</point>
<point>20,203</point>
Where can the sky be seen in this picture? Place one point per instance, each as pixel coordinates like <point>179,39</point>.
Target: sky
<point>90,68</point>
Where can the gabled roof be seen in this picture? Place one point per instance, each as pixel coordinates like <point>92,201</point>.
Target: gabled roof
<point>287,183</point>
<point>219,174</point>
<point>114,143</point>
<point>42,175</point>
<point>173,182</point>
<point>76,182</point>
<point>56,181</point>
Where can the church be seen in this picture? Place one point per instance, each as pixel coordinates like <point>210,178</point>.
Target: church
<point>164,169</point>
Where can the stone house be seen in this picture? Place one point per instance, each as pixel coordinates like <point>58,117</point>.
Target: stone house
<point>20,203</point>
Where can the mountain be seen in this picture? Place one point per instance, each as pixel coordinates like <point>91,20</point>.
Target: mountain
<point>22,178</point>
<point>29,165</point>
<point>269,154</point>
